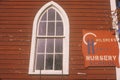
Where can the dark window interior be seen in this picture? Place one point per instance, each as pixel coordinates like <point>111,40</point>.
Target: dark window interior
<point>118,3</point>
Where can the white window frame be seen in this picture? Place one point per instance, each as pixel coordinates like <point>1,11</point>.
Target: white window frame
<point>113,8</point>
<point>66,27</point>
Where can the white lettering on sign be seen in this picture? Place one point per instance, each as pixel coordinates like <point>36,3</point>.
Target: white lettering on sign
<point>106,40</point>
<point>101,58</point>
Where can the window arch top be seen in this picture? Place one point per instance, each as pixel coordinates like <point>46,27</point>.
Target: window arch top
<point>50,23</point>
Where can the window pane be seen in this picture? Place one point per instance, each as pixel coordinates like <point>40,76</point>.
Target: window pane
<point>58,17</point>
<point>59,28</point>
<point>49,61</point>
<point>58,62</point>
<point>51,14</point>
<point>40,62</point>
<point>58,45</point>
<point>40,45</point>
<point>42,28</point>
<point>51,28</point>
<point>44,17</point>
<point>50,45</point>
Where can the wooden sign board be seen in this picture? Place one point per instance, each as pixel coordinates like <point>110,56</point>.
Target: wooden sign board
<point>100,48</point>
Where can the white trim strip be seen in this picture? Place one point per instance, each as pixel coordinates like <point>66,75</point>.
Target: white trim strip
<point>113,8</point>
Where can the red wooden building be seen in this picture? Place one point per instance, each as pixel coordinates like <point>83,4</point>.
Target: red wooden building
<point>42,39</point>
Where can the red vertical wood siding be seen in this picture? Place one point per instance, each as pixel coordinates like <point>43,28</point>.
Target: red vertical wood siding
<point>16,21</point>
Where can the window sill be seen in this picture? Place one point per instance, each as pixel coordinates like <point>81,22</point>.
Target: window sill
<point>48,72</point>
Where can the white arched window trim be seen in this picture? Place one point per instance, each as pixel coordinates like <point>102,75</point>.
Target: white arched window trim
<point>64,17</point>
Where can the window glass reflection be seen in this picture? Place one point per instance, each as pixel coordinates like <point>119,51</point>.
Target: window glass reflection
<point>58,17</point>
<point>59,28</point>
<point>51,28</point>
<point>50,45</point>
<point>51,14</point>
<point>58,62</point>
<point>42,28</point>
<point>49,61</point>
<point>40,45</point>
<point>44,17</point>
<point>40,62</point>
<point>58,45</point>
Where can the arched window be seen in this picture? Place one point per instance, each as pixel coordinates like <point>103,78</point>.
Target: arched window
<point>50,41</point>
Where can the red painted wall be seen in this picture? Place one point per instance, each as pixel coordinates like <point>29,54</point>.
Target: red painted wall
<point>16,21</point>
